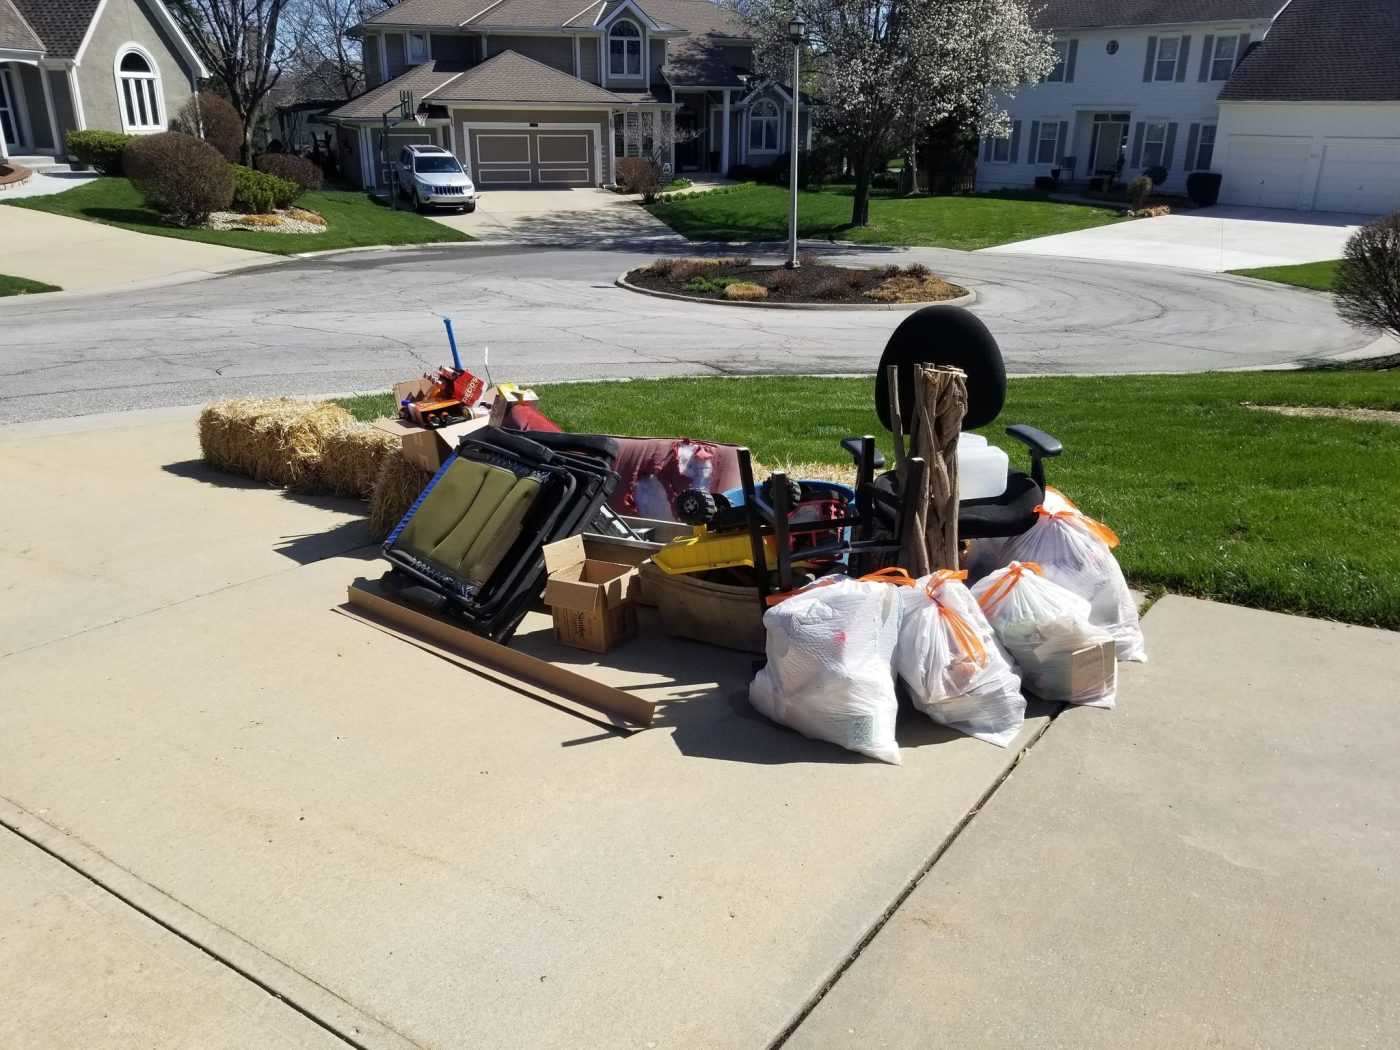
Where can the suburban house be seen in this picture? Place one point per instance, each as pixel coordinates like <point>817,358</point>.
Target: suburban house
<point>1296,103</point>
<point>552,93</point>
<point>118,65</point>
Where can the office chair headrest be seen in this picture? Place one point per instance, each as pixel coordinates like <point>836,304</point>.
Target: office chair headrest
<point>944,335</point>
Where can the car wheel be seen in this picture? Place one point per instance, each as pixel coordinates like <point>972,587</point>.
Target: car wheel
<point>469,208</point>
<point>418,205</point>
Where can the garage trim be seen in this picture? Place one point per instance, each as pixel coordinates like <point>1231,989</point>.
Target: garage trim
<point>577,128</point>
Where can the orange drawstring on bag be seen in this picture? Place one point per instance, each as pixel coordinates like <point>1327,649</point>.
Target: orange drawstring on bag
<point>997,592</point>
<point>963,634</point>
<point>1072,513</point>
<point>892,575</point>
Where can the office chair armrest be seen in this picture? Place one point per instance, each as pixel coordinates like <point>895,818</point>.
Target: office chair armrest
<point>852,445</point>
<point>1040,444</point>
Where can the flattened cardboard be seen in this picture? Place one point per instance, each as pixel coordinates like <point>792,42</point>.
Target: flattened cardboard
<point>369,600</point>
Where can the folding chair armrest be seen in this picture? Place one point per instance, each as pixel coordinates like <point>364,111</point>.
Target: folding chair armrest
<point>1040,445</point>
<point>852,445</point>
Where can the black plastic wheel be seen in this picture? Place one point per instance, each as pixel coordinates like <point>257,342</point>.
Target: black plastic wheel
<point>794,492</point>
<point>696,507</point>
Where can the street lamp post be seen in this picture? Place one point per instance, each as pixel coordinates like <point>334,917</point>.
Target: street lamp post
<point>797,32</point>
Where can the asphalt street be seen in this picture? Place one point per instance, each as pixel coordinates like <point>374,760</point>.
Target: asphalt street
<point>360,321</point>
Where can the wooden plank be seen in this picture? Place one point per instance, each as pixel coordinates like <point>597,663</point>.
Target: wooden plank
<point>365,596</point>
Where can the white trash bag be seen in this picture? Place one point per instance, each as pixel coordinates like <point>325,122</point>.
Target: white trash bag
<point>830,671</point>
<point>1046,629</point>
<point>1076,552</point>
<point>957,672</point>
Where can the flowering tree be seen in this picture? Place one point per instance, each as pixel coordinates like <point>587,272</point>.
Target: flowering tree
<point>882,68</point>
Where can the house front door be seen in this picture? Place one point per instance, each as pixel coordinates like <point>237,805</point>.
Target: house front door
<point>9,109</point>
<point>1110,142</point>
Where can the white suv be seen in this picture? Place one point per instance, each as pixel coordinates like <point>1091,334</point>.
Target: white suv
<point>430,175</point>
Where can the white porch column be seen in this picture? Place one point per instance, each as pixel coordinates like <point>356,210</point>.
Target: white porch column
<point>724,136</point>
<point>367,180</point>
<point>76,98</point>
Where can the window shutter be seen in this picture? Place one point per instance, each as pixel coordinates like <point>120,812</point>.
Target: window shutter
<point>1063,144</point>
<point>1192,139</point>
<point>987,148</point>
<point>1240,50</point>
<point>1182,58</point>
<point>1015,141</point>
<point>1151,58</point>
<point>1169,148</point>
<point>1207,52</point>
<point>1138,132</point>
<point>1033,150</point>
<point>1069,63</point>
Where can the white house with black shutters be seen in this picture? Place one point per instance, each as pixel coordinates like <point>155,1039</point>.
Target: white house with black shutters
<point>1137,85</point>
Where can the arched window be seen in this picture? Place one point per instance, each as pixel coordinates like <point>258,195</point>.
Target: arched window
<point>763,126</point>
<point>139,95</point>
<point>624,49</point>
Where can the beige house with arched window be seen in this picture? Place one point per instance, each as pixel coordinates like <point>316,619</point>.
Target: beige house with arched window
<point>117,65</point>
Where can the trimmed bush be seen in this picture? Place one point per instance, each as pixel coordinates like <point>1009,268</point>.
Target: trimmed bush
<point>100,150</point>
<point>221,125</point>
<point>290,167</point>
<point>1367,285</point>
<point>182,177</point>
<point>257,192</point>
<point>1139,190</point>
<point>638,175</point>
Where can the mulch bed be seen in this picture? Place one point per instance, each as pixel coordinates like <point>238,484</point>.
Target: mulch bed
<point>13,174</point>
<point>739,279</point>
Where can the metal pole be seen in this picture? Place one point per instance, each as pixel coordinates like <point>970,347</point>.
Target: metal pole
<point>792,171</point>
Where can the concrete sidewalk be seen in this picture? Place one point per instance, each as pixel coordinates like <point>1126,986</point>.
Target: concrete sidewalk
<point>410,854</point>
<point>1212,864</point>
<point>81,256</point>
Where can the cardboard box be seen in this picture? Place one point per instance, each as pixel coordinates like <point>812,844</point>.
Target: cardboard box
<point>1085,674</point>
<point>427,448</point>
<point>594,603</point>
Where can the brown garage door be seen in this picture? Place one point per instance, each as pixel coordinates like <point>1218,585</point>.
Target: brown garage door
<point>510,159</point>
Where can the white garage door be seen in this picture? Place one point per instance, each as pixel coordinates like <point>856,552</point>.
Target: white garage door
<point>1359,175</point>
<point>1264,171</point>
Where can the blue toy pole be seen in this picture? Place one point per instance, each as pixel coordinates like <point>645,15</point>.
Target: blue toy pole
<point>452,342</point>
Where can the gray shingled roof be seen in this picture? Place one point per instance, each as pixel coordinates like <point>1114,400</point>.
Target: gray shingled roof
<point>1087,14</point>
<point>506,77</point>
<point>60,24</point>
<point>15,32</point>
<point>421,79</point>
<point>511,77</point>
<point>1324,51</point>
<point>694,16</point>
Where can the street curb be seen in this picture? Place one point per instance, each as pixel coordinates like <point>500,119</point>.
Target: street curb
<point>961,300</point>
<point>313,1001</point>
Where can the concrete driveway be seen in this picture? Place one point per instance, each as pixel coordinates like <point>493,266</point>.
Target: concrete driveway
<point>586,215</point>
<point>1210,239</point>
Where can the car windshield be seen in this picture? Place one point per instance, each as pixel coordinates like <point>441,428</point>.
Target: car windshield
<point>437,165</point>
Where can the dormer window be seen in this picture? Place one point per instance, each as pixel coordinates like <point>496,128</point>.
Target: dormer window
<point>624,49</point>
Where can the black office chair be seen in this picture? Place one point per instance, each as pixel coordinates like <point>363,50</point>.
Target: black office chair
<point>952,336</point>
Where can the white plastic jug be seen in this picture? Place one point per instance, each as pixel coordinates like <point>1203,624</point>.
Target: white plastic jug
<point>981,468</point>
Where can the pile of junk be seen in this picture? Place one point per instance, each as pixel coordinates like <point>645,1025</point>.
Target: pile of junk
<point>942,576</point>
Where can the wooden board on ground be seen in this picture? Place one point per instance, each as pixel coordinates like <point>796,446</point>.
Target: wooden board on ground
<point>628,685</point>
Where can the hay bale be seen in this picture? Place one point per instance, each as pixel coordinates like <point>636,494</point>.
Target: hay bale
<point>352,459</point>
<point>397,486</point>
<point>279,440</point>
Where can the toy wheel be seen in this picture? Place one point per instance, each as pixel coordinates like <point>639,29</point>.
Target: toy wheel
<point>696,507</point>
<point>794,492</point>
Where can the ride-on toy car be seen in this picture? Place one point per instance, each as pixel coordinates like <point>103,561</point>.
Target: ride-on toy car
<point>430,176</point>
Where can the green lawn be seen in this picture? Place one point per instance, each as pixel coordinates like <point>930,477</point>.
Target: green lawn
<point>353,220</point>
<point>24,286</point>
<point>759,213</point>
<point>1209,498</point>
<point>1315,275</point>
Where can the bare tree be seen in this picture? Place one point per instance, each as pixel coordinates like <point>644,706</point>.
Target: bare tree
<point>882,68</point>
<point>654,137</point>
<point>323,47</point>
<point>241,43</point>
<point>1367,285</point>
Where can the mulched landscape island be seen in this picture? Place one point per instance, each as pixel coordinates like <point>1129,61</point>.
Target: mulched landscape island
<point>741,280</point>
